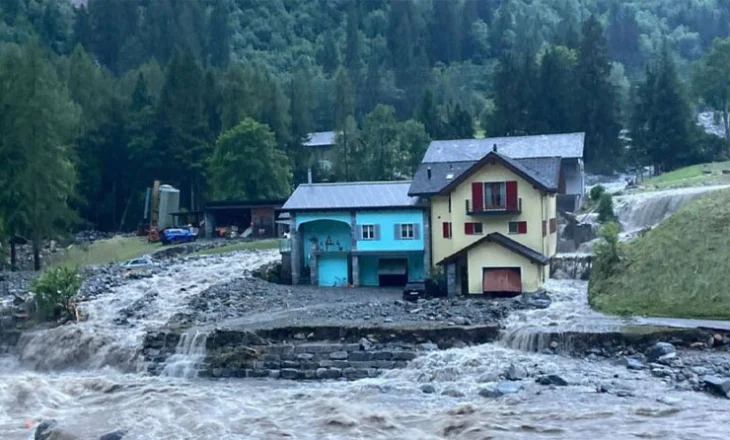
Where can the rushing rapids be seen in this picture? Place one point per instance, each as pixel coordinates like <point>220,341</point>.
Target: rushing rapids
<point>89,378</point>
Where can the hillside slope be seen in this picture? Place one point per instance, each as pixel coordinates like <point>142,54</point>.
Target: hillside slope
<point>679,269</point>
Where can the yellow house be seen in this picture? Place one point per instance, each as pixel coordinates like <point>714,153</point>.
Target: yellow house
<point>493,221</point>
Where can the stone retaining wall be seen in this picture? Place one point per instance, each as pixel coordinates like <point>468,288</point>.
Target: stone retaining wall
<point>314,352</point>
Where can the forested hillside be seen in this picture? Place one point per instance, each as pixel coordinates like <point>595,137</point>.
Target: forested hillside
<point>103,96</point>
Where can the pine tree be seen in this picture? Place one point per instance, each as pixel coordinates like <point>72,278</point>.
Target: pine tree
<point>597,100</point>
<point>514,96</point>
<point>556,91</point>
<point>428,115</point>
<point>352,46</point>
<point>662,124</point>
<point>445,32</point>
<point>219,30</point>
<point>38,123</point>
<point>459,123</point>
<point>344,98</point>
<point>82,31</point>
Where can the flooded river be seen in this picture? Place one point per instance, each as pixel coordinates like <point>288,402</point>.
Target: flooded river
<point>87,377</point>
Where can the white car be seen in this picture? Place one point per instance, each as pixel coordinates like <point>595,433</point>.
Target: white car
<point>136,264</point>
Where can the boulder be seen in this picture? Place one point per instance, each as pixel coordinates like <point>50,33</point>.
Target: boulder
<point>49,430</point>
<point>658,350</point>
<point>365,344</point>
<point>634,364</point>
<point>552,379</point>
<point>717,385</point>
<point>490,393</point>
<point>488,377</point>
<point>516,372</point>
<point>116,435</point>
<point>538,300</point>
<point>428,389</point>
<point>452,392</point>
<point>460,320</point>
<point>509,387</point>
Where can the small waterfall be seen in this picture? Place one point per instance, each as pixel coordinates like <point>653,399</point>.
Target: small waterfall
<point>528,338</point>
<point>645,210</point>
<point>571,266</point>
<point>190,352</point>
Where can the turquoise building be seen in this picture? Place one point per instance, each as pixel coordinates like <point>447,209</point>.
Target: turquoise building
<point>357,233</point>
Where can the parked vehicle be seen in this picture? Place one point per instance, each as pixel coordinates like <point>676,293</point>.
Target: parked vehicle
<point>172,236</point>
<point>416,290</point>
<point>138,264</point>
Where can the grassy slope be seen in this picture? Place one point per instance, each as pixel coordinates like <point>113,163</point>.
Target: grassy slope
<point>261,244</point>
<point>107,251</point>
<point>680,269</point>
<point>691,176</point>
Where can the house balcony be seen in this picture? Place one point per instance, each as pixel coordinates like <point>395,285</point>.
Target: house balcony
<point>504,210</point>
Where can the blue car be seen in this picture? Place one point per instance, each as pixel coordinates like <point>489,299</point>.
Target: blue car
<point>173,236</point>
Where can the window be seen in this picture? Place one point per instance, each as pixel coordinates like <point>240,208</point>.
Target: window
<point>495,195</point>
<point>446,226</point>
<point>368,232</point>
<point>449,203</point>
<point>544,228</point>
<point>517,228</point>
<point>407,231</point>
<point>473,228</point>
<point>553,225</point>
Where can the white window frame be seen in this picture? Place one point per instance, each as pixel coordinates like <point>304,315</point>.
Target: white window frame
<point>408,231</point>
<point>502,194</point>
<point>368,232</point>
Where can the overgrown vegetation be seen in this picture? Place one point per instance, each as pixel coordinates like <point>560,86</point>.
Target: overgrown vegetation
<point>695,175</point>
<point>596,193</point>
<point>606,252</point>
<point>54,291</point>
<point>112,250</point>
<point>237,247</point>
<point>679,269</point>
<point>605,208</point>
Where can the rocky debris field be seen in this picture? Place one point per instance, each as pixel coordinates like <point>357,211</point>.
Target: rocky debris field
<point>51,430</point>
<point>256,303</point>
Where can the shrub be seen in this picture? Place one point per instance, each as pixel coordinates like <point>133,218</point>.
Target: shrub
<point>596,192</point>
<point>606,252</point>
<point>53,293</point>
<point>605,208</point>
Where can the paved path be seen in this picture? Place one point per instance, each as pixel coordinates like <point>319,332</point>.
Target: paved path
<point>685,323</point>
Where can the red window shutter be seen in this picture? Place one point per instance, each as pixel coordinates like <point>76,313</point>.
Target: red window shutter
<point>469,228</point>
<point>446,226</point>
<point>512,195</point>
<point>477,196</point>
<point>553,225</point>
<point>522,227</point>
<point>544,227</point>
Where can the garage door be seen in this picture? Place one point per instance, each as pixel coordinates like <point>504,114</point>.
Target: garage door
<point>392,272</point>
<point>333,270</point>
<point>502,280</point>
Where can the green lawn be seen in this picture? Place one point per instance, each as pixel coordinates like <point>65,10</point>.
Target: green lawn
<point>695,175</point>
<point>106,251</point>
<point>680,269</point>
<point>236,247</point>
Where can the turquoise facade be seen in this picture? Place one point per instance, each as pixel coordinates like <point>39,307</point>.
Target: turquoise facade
<point>331,243</point>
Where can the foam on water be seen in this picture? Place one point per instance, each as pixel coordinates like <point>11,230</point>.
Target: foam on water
<point>189,353</point>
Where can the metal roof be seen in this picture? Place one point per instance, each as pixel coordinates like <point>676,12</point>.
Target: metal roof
<point>545,170</point>
<point>320,139</point>
<point>351,195</point>
<point>568,146</point>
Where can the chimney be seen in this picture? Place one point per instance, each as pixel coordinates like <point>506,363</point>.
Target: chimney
<point>428,172</point>
<point>309,176</point>
<point>494,148</point>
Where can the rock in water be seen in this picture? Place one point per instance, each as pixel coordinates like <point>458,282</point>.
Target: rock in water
<point>116,435</point>
<point>516,372</point>
<point>658,350</point>
<point>43,431</point>
<point>552,379</point>
<point>490,393</point>
<point>428,389</point>
<point>634,364</point>
<point>509,387</point>
<point>452,392</point>
<point>718,385</point>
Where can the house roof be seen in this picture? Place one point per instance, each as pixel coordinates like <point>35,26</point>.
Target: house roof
<point>567,146</point>
<point>320,139</point>
<point>543,172</point>
<point>239,204</point>
<point>502,240</point>
<point>351,195</point>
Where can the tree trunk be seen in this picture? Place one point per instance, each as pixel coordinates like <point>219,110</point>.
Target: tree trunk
<point>13,257</point>
<point>36,254</point>
<point>726,123</point>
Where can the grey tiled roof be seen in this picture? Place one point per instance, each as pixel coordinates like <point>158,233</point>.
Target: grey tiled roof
<point>351,195</point>
<point>546,170</point>
<point>519,147</point>
<point>320,139</point>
